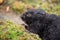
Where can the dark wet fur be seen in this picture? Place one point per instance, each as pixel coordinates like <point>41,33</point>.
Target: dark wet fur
<point>47,26</point>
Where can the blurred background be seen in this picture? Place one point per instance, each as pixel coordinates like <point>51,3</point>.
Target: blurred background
<point>50,6</point>
<point>10,22</point>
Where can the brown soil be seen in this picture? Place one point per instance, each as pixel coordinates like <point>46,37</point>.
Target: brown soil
<point>15,18</point>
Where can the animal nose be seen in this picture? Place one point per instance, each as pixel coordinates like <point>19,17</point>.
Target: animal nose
<point>22,16</point>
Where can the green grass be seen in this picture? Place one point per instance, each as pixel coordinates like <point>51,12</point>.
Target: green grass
<point>10,31</point>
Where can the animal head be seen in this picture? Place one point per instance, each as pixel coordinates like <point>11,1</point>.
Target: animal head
<point>32,18</point>
<point>33,15</point>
